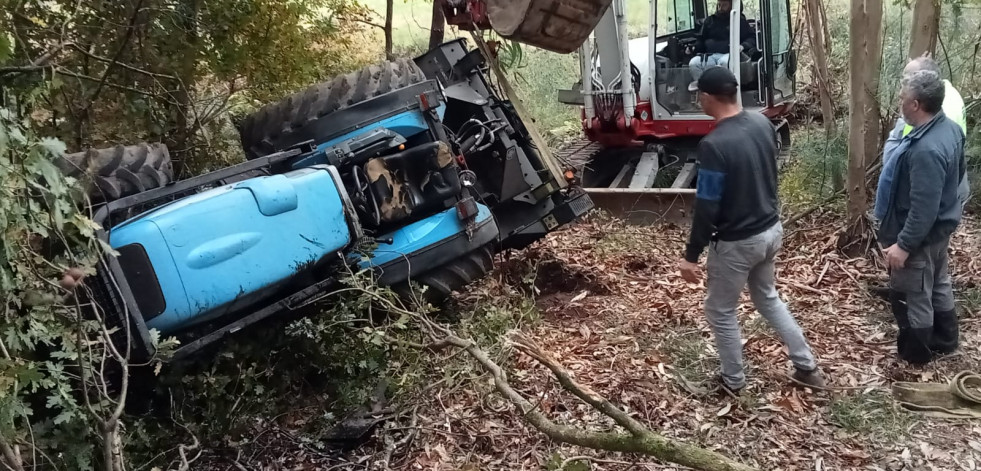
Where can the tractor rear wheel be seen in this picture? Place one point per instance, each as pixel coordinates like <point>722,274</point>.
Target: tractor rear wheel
<point>263,131</point>
<point>116,172</point>
<point>442,281</point>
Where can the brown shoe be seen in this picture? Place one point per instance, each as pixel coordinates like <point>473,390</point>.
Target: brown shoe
<point>812,378</point>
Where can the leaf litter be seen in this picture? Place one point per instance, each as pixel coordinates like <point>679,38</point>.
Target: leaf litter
<point>613,309</point>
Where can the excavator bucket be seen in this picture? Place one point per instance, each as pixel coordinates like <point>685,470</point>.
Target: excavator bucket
<point>555,25</point>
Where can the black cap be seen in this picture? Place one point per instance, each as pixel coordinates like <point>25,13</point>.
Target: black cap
<point>718,80</point>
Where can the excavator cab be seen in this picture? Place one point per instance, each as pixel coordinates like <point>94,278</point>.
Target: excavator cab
<point>765,66</point>
<point>660,65</point>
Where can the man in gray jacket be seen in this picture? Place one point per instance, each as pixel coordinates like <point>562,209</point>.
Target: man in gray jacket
<point>953,107</point>
<point>920,210</point>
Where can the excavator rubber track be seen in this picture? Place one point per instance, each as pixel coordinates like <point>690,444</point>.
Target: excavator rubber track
<point>576,154</point>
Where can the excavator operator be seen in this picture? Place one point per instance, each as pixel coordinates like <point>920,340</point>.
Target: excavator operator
<point>712,42</point>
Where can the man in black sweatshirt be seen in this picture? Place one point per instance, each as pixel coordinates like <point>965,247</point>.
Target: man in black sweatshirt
<point>737,216</point>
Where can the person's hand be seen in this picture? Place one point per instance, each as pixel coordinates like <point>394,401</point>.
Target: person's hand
<point>895,256</point>
<point>740,48</point>
<point>689,271</point>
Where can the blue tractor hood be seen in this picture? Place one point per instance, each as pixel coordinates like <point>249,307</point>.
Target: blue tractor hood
<point>228,247</point>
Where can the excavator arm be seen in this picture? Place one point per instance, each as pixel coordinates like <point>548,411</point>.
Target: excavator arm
<point>560,26</point>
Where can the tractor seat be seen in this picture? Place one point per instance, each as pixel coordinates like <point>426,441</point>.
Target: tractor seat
<point>416,180</point>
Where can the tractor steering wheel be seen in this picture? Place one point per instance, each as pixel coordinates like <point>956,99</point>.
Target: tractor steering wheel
<point>366,202</point>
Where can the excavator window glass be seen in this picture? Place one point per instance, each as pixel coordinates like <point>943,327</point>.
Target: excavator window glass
<point>684,19</point>
<point>751,8</point>
<point>780,54</point>
<point>673,16</point>
<point>780,33</point>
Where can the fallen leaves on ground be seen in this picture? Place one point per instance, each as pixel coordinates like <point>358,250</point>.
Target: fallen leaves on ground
<point>615,312</point>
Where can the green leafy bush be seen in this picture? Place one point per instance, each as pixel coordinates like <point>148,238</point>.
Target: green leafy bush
<point>45,343</point>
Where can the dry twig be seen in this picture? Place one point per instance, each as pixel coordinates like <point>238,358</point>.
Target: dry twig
<point>640,439</point>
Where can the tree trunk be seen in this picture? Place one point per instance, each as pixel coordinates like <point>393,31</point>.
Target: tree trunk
<point>872,75</point>
<point>187,75</point>
<point>389,11</point>
<point>818,42</point>
<point>857,201</point>
<point>824,24</point>
<point>438,26</point>
<point>926,26</point>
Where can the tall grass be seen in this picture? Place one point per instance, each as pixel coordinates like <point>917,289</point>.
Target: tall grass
<point>537,83</point>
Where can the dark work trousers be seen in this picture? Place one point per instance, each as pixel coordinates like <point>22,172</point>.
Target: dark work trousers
<point>923,303</point>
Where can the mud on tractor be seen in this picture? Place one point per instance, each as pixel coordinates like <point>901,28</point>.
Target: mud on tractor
<point>641,120</point>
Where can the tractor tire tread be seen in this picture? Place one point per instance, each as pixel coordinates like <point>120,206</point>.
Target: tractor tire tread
<point>442,281</point>
<point>115,172</point>
<point>261,131</point>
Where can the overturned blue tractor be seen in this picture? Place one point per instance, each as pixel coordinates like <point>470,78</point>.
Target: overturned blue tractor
<point>420,164</point>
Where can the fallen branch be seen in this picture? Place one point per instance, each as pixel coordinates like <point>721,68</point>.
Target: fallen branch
<point>794,284</point>
<point>640,439</point>
<point>392,445</point>
<point>10,459</point>
<point>823,272</point>
<point>184,449</point>
<point>528,347</point>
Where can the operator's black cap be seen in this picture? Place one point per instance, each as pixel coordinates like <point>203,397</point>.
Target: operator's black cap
<point>718,80</point>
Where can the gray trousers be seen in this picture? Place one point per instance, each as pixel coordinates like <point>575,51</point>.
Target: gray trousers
<point>923,304</point>
<point>731,265</point>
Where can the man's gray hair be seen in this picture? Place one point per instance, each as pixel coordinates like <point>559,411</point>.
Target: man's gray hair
<point>926,87</point>
<point>923,63</point>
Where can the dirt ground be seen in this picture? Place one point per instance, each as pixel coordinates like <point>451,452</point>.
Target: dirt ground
<point>609,304</point>
<point>615,312</point>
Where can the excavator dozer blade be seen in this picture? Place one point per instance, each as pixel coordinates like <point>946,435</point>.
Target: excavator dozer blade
<point>645,206</point>
<point>555,25</point>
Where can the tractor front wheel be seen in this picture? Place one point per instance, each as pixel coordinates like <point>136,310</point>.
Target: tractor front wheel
<point>442,281</point>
